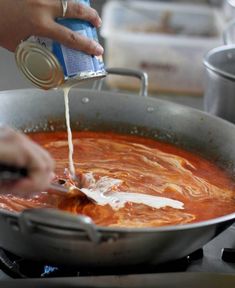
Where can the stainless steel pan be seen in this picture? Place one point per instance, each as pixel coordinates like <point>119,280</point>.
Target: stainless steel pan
<point>59,238</point>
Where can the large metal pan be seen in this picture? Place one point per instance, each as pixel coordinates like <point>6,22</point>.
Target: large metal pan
<point>59,238</point>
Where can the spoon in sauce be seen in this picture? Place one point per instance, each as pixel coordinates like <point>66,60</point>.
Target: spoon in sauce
<point>96,194</point>
<point>9,173</point>
<point>70,190</point>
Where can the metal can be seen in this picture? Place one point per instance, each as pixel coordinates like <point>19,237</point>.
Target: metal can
<point>49,64</point>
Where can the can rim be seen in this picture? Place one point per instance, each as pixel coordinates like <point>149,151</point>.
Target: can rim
<point>24,50</point>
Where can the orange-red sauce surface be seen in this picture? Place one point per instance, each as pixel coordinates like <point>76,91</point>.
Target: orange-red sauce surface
<point>144,166</point>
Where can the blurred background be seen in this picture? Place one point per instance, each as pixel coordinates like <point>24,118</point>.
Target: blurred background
<point>167,39</point>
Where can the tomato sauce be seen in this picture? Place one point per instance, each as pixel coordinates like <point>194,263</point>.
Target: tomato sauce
<point>141,165</point>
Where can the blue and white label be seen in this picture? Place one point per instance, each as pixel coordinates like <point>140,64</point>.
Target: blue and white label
<point>73,62</point>
<point>77,61</point>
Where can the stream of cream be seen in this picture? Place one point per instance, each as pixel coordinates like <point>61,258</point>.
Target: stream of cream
<point>100,191</point>
<point>69,131</point>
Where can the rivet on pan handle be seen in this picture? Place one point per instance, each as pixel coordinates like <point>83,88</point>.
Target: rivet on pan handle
<point>143,76</point>
<point>30,219</point>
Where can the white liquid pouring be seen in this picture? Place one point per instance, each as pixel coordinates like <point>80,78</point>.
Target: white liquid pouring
<point>101,191</point>
<point>69,131</point>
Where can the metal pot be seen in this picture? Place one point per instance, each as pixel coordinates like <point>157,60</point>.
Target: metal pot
<point>57,237</point>
<point>219,98</point>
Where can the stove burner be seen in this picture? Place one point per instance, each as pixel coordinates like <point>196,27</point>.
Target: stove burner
<point>16,267</point>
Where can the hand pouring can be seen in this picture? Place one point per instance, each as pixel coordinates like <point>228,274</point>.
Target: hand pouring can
<point>49,64</point>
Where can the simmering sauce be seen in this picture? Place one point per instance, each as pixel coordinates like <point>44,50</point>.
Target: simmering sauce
<point>181,187</point>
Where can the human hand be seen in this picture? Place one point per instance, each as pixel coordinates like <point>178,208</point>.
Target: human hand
<point>17,150</point>
<point>20,19</point>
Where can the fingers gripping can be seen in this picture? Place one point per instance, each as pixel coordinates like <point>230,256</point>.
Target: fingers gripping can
<point>49,64</point>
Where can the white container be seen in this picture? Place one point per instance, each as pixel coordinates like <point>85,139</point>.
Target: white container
<point>172,61</point>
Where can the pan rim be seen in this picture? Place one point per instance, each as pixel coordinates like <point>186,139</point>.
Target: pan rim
<point>167,228</point>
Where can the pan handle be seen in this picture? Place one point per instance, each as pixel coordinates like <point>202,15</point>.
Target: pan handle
<point>142,76</point>
<point>31,219</point>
